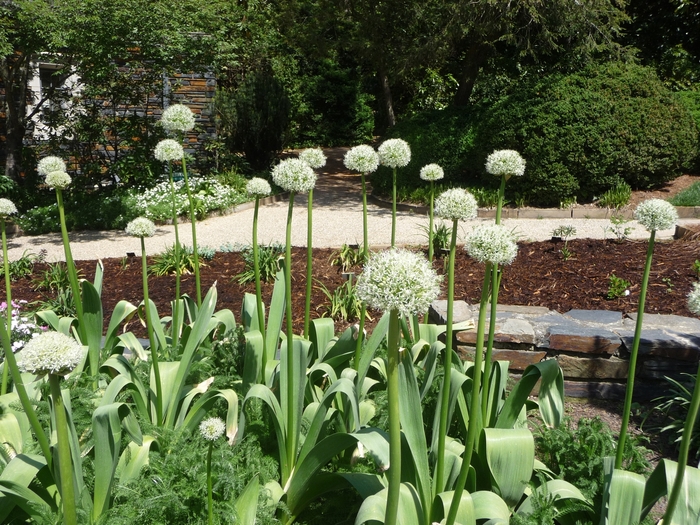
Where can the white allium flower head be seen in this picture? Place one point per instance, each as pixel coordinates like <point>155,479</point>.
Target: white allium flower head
<point>694,299</point>
<point>314,157</point>
<point>505,162</point>
<point>362,159</point>
<point>141,227</point>
<point>58,179</point>
<point>492,243</point>
<point>431,172</point>
<point>656,214</point>
<point>49,164</point>
<point>400,280</point>
<point>456,204</point>
<point>212,428</point>
<point>258,187</point>
<point>50,352</point>
<point>294,175</point>
<point>177,117</point>
<point>7,207</point>
<point>168,150</point>
<point>394,153</point>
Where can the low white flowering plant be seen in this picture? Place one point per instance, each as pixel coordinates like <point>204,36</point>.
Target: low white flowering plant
<point>492,243</point>
<point>7,207</point>
<point>212,428</point>
<point>363,159</point>
<point>23,328</point>
<point>314,157</point>
<point>432,172</point>
<point>258,187</point>
<point>694,299</point>
<point>59,180</point>
<point>294,175</point>
<point>506,162</point>
<point>456,204</point>
<point>398,279</point>
<point>49,164</point>
<point>141,227</point>
<point>168,150</point>
<point>178,117</point>
<point>50,353</point>
<point>394,153</point>
<point>656,214</point>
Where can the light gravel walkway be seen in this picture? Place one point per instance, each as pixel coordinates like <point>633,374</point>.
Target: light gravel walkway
<point>337,219</point>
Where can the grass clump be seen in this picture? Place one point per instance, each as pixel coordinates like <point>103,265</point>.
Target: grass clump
<point>688,197</point>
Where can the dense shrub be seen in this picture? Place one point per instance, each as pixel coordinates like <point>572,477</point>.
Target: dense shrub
<point>580,134</point>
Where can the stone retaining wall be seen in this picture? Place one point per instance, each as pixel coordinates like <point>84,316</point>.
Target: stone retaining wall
<point>592,347</point>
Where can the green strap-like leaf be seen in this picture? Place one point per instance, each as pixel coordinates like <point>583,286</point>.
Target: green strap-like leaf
<point>275,316</point>
<point>92,317</point>
<point>659,485</point>
<point>133,459</point>
<point>623,493</point>
<point>247,502</point>
<point>252,361</point>
<point>510,456</point>
<point>122,312</point>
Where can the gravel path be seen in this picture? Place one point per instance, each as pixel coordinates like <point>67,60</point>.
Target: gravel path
<point>337,219</point>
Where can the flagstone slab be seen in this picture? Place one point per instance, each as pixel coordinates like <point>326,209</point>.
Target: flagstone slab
<point>664,343</point>
<point>605,317</point>
<point>572,337</point>
<point>593,368</point>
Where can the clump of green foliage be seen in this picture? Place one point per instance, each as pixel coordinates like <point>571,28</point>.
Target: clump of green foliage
<point>167,262</point>
<point>343,302</point>
<point>23,266</point>
<point>54,283</point>
<point>269,260</point>
<point>616,197</point>
<point>617,287</point>
<point>688,197</point>
<point>348,257</point>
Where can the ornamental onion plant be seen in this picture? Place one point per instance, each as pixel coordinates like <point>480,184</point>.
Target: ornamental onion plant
<point>504,163</point>
<point>431,173</point>
<point>491,244</point>
<point>315,158</point>
<point>7,208</point>
<point>653,214</point>
<point>693,306</point>
<point>294,176</point>
<point>211,429</point>
<point>456,205</point>
<point>169,150</point>
<point>142,227</point>
<point>57,354</point>
<point>402,283</point>
<point>394,153</point>
<point>179,119</point>
<point>258,188</point>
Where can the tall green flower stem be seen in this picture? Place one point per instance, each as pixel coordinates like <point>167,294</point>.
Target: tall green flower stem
<point>365,236</point>
<point>258,287</point>
<point>474,407</point>
<point>151,336</point>
<point>65,465</point>
<point>445,399</point>
<point>683,451</point>
<point>393,394</point>
<point>8,294</point>
<point>11,365</point>
<point>393,209</point>
<point>73,275</point>
<point>291,415</point>
<point>430,222</point>
<point>193,221</point>
<point>309,263</point>
<point>360,335</point>
<point>627,407</point>
<point>178,271</point>
<point>210,499</point>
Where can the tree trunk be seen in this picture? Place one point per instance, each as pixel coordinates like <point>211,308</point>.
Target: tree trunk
<point>386,97</point>
<point>15,72</point>
<point>471,65</point>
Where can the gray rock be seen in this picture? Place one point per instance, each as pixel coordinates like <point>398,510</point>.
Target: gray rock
<point>605,317</point>
<point>572,337</point>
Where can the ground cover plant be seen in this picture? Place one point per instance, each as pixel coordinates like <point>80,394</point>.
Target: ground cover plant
<point>299,396</point>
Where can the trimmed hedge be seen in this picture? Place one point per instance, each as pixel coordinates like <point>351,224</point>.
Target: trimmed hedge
<point>580,134</point>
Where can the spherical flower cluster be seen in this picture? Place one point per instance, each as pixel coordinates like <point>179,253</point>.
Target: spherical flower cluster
<point>58,179</point>
<point>456,204</point>
<point>694,299</point>
<point>394,153</point>
<point>50,352</point>
<point>258,187</point>
<point>656,214</point>
<point>7,207</point>
<point>49,164</point>
<point>212,428</point>
<point>505,162</point>
<point>294,175</point>
<point>314,157</point>
<point>362,159</point>
<point>169,150</point>
<point>492,243</point>
<point>431,172</point>
<point>177,118</point>
<point>398,280</point>
<point>141,227</point>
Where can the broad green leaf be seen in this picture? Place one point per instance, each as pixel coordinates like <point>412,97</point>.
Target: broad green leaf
<point>129,341</point>
<point>561,493</point>
<point>373,508</point>
<point>275,316</point>
<point>247,502</point>
<point>378,335</point>
<point>252,362</point>
<point>205,404</point>
<point>465,512</point>
<point>266,395</point>
<point>623,493</point>
<point>123,311</point>
<point>11,433</point>
<point>659,485</point>
<point>92,317</point>
<point>510,456</point>
<point>322,331</point>
<point>133,459</point>
<point>365,484</point>
<point>99,274</point>
<point>490,506</point>
<point>249,312</point>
